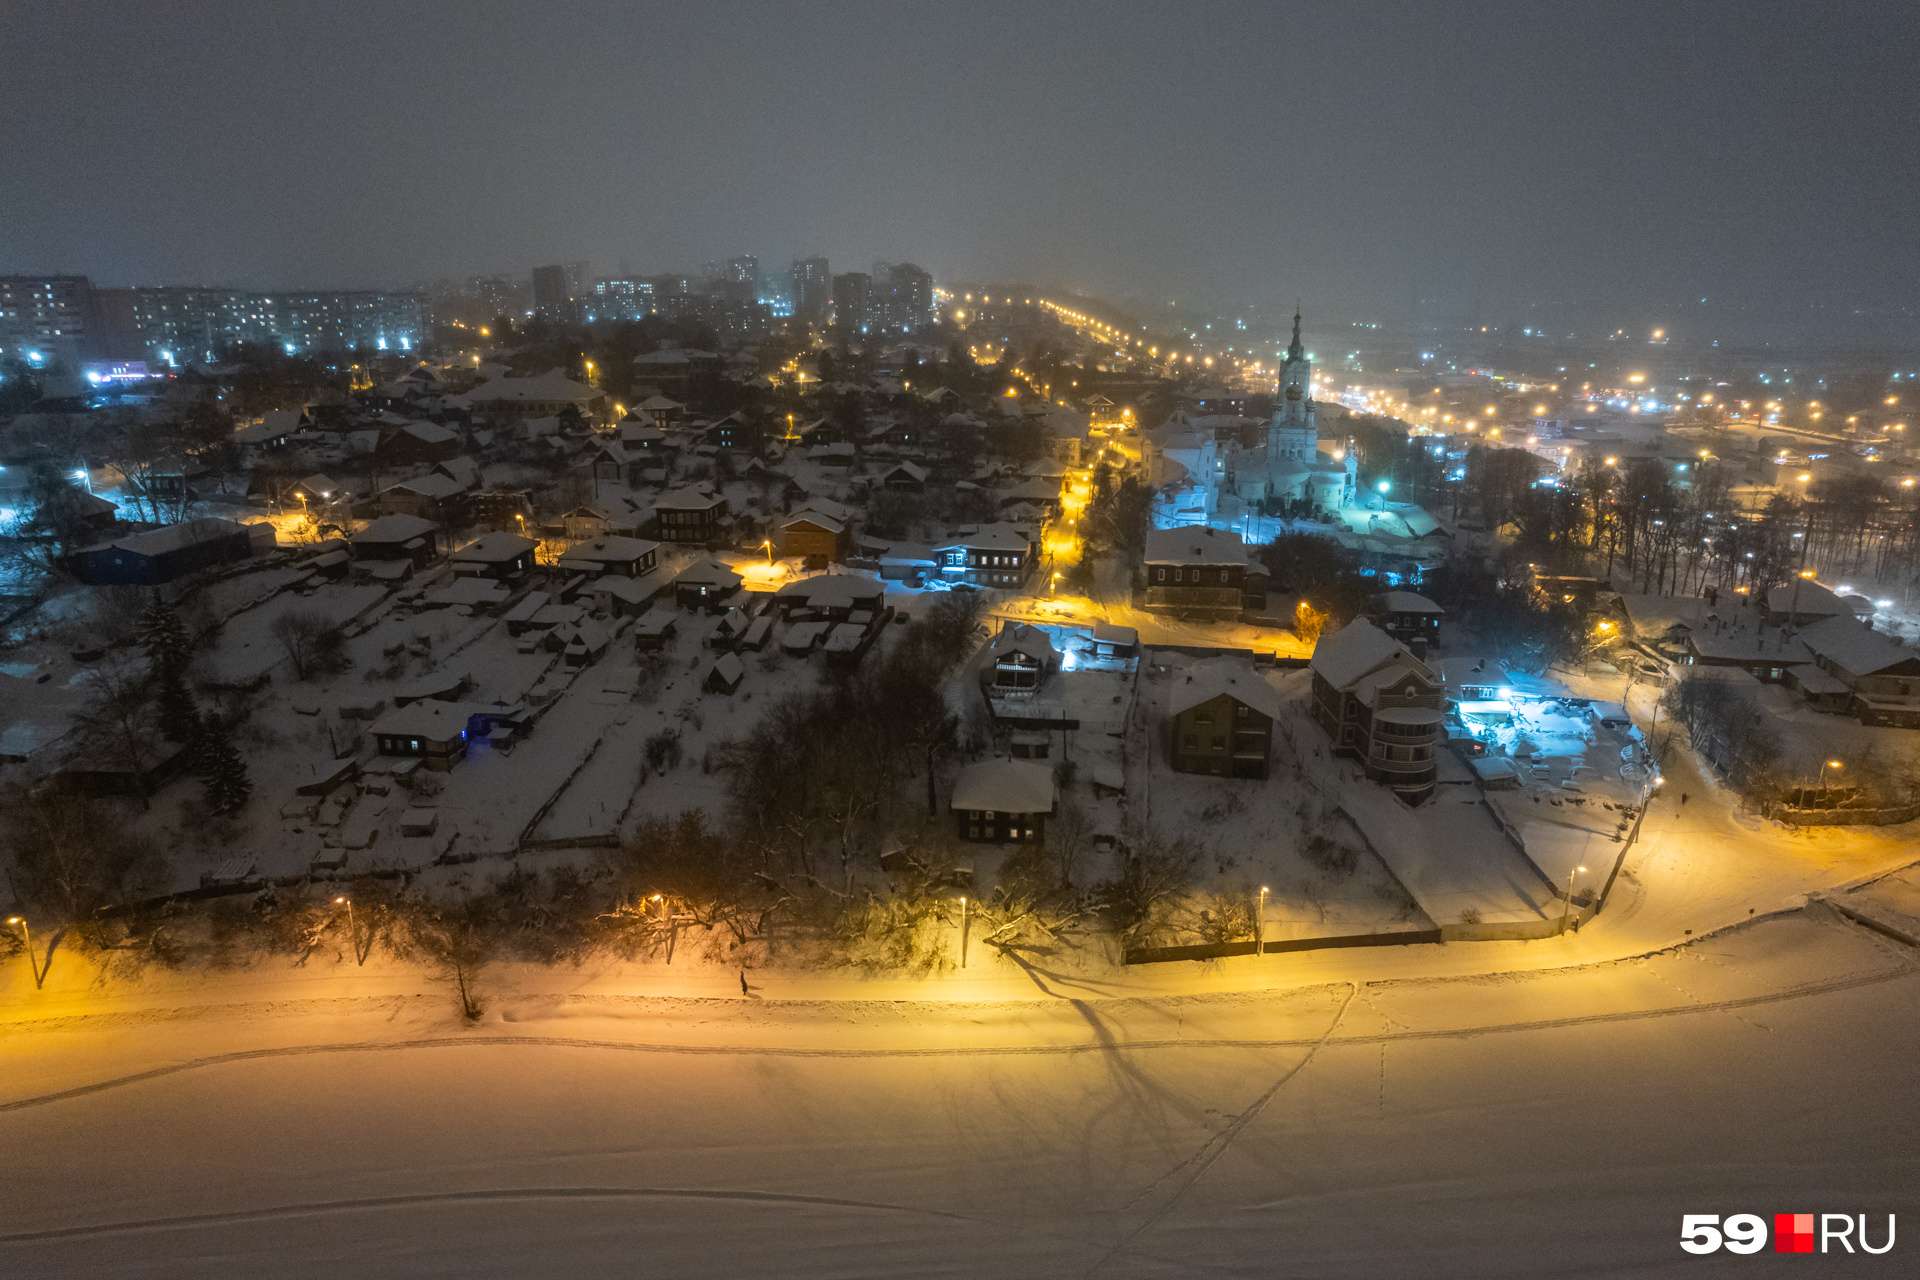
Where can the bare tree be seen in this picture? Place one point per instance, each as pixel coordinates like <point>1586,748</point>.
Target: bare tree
<point>460,939</point>
<point>69,861</point>
<point>119,724</point>
<point>313,643</point>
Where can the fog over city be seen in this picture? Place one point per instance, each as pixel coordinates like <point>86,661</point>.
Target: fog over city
<point>1578,166</point>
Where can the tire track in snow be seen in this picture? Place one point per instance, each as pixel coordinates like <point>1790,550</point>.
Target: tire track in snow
<point>1216,1146</point>
<point>502,1195</point>
<point>975,1051</point>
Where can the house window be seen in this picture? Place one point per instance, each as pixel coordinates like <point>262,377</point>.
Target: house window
<point>973,832</point>
<point>988,815</point>
<point>1028,835</point>
<point>1159,575</point>
<point>1219,742</point>
<point>1179,575</point>
<point>1239,711</point>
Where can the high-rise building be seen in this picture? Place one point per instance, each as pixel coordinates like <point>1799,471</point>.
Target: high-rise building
<point>624,299</point>
<point>905,300</point>
<point>853,302</point>
<point>48,319</point>
<point>745,270</point>
<point>45,319</point>
<point>182,324</point>
<point>494,295</point>
<point>552,299</point>
<point>812,290</point>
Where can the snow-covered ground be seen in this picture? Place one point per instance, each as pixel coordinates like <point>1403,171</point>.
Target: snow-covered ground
<point>334,1121</point>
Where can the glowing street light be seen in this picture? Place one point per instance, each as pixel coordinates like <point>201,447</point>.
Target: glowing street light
<point>26,939</point>
<point>1568,908</point>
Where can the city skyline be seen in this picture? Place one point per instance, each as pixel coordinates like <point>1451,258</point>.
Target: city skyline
<point>1494,164</point>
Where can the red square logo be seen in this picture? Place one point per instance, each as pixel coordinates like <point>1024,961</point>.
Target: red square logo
<point>1793,1233</point>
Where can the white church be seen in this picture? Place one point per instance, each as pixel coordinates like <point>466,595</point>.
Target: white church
<point>1207,480</point>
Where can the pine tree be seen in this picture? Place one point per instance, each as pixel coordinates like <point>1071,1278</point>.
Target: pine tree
<point>167,644</point>
<point>223,774</point>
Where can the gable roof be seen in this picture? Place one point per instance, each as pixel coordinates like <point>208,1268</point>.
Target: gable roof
<point>1234,677</point>
<point>394,528</point>
<point>1031,641</point>
<point>1408,602</point>
<point>1356,649</point>
<point>430,486</point>
<point>551,385</point>
<point>1195,545</point>
<point>1811,598</point>
<point>1847,644</point>
<point>694,499</point>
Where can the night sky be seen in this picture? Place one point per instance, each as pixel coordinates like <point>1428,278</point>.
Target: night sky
<point>1370,159</point>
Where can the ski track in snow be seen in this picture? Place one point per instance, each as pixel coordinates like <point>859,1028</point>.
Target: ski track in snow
<point>1104,1045</point>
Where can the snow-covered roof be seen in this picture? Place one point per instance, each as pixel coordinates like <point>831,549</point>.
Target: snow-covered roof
<point>1811,597</point>
<point>693,499</point>
<point>497,547</point>
<point>462,469</point>
<point>708,572</point>
<point>1031,641</point>
<point>1004,786</point>
<point>1195,545</point>
<point>844,638</point>
<point>430,486</point>
<point>987,540</point>
<point>394,528</point>
<point>549,386</point>
<point>319,485</point>
<point>435,721</point>
<point>632,590</point>
<point>1234,677</point>
<point>470,591</point>
<point>729,668</point>
<point>1408,602</point>
<point>1847,644</point>
<point>830,591</point>
<point>1353,651</point>
<point>172,537</point>
<point>612,549</point>
<point>818,520</point>
<point>428,433</point>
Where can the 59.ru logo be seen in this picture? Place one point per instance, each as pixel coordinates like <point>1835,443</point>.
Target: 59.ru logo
<point>1792,1233</point>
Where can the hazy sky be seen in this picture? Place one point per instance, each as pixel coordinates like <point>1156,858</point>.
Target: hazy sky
<point>1360,156</point>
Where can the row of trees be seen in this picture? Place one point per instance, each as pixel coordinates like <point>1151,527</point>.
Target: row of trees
<point>1673,527</point>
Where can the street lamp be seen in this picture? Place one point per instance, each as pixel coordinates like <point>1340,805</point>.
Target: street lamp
<point>1568,908</point>
<point>26,940</point>
<point>1831,764</point>
<point>768,544</point>
<point>963,931</point>
<point>1260,924</point>
<point>353,932</point>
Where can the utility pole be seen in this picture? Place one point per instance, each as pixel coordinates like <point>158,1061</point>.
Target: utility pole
<point>963,931</point>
